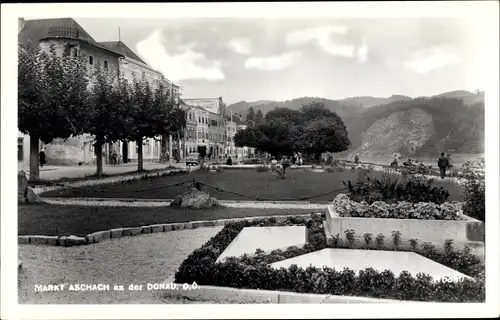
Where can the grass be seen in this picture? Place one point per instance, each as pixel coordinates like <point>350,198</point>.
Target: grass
<point>299,183</point>
<point>54,220</point>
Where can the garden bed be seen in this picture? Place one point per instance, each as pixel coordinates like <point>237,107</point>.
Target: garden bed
<point>255,272</point>
<point>298,184</point>
<point>427,222</point>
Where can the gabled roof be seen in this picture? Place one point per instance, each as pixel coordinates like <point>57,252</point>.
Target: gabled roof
<point>34,30</point>
<point>121,48</point>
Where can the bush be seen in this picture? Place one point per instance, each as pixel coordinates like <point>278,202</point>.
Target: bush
<point>400,210</point>
<point>390,188</point>
<point>255,272</point>
<point>474,190</point>
<point>414,167</point>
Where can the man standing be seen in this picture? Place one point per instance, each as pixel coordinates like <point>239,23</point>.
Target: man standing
<point>443,164</point>
<point>42,157</point>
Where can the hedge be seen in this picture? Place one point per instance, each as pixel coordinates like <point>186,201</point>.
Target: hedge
<point>254,272</point>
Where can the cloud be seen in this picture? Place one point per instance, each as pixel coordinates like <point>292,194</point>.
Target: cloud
<point>184,65</point>
<point>240,45</point>
<point>427,60</point>
<point>362,52</point>
<point>273,63</point>
<point>321,35</point>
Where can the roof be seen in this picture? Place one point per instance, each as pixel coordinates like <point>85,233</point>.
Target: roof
<point>121,48</point>
<point>35,30</point>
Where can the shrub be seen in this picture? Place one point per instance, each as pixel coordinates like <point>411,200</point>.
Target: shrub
<point>379,241</point>
<point>368,239</point>
<point>345,207</point>
<point>414,167</point>
<point>396,238</point>
<point>254,271</point>
<point>390,188</point>
<point>413,244</point>
<point>350,236</point>
<point>474,190</point>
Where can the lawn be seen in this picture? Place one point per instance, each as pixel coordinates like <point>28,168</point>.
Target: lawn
<point>299,183</point>
<point>54,220</point>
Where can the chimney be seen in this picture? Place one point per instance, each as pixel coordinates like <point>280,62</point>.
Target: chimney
<point>20,24</point>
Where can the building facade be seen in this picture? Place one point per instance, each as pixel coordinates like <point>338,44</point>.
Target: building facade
<point>62,34</point>
<point>113,56</point>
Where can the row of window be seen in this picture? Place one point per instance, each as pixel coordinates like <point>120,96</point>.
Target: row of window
<point>91,62</point>
<point>191,134</point>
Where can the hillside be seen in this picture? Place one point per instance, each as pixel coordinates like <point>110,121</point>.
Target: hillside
<point>413,127</point>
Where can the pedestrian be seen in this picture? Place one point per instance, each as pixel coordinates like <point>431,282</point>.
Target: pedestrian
<point>356,159</point>
<point>285,164</point>
<point>274,164</point>
<point>301,161</point>
<point>442,164</point>
<point>229,161</point>
<point>42,157</point>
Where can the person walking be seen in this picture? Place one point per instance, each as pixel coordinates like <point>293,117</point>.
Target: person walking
<point>443,164</point>
<point>42,157</point>
<point>274,164</point>
<point>285,164</point>
<point>229,161</point>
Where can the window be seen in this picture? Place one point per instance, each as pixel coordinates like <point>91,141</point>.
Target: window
<point>190,116</point>
<point>75,52</point>
<point>105,65</point>
<point>91,60</point>
<point>199,119</point>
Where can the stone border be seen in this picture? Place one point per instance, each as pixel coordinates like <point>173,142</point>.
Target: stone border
<point>234,295</point>
<point>98,202</point>
<point>96,237</point>
<point>95,182</point>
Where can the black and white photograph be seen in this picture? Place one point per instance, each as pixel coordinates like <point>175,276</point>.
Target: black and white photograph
<point>191,160</point>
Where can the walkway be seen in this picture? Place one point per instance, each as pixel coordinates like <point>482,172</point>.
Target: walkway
<point>57,172</point>
<point>149,258</point>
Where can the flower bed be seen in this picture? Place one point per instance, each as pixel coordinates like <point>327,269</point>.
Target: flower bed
<point>254,272</point>
<point>430,224</point>
<point>398,210</point>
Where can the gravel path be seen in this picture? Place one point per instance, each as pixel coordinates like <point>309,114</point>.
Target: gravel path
<point>150,258</point>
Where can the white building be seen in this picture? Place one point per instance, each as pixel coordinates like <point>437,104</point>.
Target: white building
<point>132,66</point>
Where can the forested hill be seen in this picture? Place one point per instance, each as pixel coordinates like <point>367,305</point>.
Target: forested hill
<point>413,127</point>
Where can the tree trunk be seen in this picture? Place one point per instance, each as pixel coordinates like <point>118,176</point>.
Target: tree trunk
<point>125,151</point>
<point>98,156</point>
<point>140,162</point>
<point>34,158</point>
<point>317,156</point>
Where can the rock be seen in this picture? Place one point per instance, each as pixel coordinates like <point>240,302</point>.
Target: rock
<point>177,201</point>
<point>75,241</point>
<point>194,198</point>
<point>32,197</point>
<point>22,186</point>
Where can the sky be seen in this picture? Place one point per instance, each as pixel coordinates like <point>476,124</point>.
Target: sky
<point>282,59</point>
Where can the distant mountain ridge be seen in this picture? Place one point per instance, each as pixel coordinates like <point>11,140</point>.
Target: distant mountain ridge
<point>412,126</point>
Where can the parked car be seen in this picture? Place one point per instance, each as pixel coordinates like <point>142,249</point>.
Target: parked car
<point>193,159</point>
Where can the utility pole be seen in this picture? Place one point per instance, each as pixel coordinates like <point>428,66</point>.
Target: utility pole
<point>119,35</point>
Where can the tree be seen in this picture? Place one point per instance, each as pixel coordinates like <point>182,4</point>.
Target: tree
<point>314,129</point>
<point>259,116</point>
<point>323,131</point>
<point>52,96</point>
<point>154,113</point>
<point>251,114</point>
<point>109,111</point>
